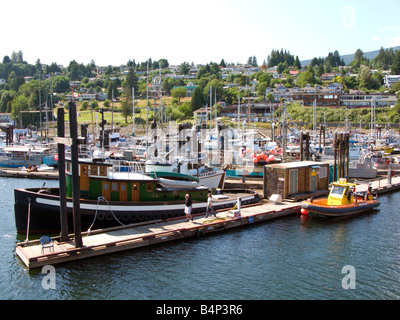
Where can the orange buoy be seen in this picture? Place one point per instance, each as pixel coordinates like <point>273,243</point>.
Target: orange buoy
<point>303,211</point>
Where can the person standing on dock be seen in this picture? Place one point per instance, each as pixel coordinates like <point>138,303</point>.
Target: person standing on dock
<point>188,207</point>
<point>209,205</point>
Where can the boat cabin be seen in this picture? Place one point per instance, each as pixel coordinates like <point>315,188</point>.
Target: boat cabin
<point>114,184</point>
<point>342,192</point>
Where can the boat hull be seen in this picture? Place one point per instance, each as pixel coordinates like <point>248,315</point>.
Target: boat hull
<point>44,210</point>
<point>318,208</point>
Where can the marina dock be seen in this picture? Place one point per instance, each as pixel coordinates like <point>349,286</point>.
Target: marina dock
<point>133,236</point>
<point>116,239</point>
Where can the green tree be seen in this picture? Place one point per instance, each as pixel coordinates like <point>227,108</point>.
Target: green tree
<point>281,67</point>
<point>167,86</point>
<point>127,109</point>
<point>130,82</point>
<point>305,78</point>
<point>5,98</point>
<point>297,64</point>
<point>185,68</point>
<point>198,99</point>
<point>186,109</point>
<point>20,103</point>
<point>60,84</point>
<point>359,59</point>
<point>396,63</point>
<point>179,92</point>
<point>261,88</point>
<point>15,81</point>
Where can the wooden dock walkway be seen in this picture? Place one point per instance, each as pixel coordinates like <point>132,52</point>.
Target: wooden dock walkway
<point>105,241</point>
<point>116,239</point>
<point>380,185</point>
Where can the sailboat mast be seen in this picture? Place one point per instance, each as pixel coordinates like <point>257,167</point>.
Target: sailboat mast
<point>147,110</point>
<point>133,109</point>
<point>40,108</point>
<point>112,111</point>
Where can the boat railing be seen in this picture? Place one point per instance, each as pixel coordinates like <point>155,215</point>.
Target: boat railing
<point>127,166</point>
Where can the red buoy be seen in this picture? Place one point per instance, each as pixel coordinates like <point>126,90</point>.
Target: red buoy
<point>304,211</point>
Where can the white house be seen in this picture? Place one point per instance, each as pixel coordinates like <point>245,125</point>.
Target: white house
<point>391,79</point>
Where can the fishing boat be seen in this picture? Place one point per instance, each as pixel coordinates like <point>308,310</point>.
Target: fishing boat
<point>208,177</point>
<point>342,201</point>
<point>24,155</point>
<point>110,196</point>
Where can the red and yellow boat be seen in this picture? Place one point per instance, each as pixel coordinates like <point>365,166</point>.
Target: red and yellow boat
<point>342,201</point>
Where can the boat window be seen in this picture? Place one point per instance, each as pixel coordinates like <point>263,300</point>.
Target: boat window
<point>93,170</point>
<point>103,171</point>
<point>150,187</point>
<point>68,166</point>
<point>338,190</point>
<point>114,186</point>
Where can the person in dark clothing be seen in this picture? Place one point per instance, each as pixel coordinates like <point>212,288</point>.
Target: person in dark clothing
<point>188,207</point>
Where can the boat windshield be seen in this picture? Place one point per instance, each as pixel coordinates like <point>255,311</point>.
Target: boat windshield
<point>338,190</point>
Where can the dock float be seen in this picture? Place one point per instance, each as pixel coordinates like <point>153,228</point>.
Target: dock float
<point>110,240</point>
<point>11,173</point>
<point>380,185</point>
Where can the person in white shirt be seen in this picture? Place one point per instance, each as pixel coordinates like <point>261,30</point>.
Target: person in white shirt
<point>209,205</point>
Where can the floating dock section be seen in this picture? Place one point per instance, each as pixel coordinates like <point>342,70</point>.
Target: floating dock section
<point>100,242</point>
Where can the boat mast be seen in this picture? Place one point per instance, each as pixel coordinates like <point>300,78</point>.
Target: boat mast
<point>112,111</point>
<point>147,110</point>
<point>133,109</point>
<point>238,112</point>
<point>40,108</point>
<point>216,114</point>
<point>210,109</point>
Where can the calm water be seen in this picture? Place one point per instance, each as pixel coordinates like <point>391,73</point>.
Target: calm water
<point>292,258</point>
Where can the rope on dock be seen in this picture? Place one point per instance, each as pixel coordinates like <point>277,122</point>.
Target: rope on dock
<point>95,216</point>
<point>29,218</point>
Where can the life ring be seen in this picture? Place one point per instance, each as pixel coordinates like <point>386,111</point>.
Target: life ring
<point>163,215</point>
<point>100,216</point>
<point>109,216</point>
<point>200,233</point>
<point>156,215</point>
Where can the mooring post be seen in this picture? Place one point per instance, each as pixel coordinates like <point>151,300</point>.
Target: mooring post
<point>335,151</point>
<point>73,124</point>
<point>61,175</point>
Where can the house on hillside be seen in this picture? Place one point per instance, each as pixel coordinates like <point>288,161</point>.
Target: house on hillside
<point>390,80</point>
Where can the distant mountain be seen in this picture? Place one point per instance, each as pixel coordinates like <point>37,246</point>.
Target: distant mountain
<point>350,57</point>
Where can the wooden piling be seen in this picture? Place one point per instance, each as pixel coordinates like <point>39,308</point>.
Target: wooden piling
<point>75,175</point>
<point>61,175</point>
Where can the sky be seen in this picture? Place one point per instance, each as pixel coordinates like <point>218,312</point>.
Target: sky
<point>113,32</point>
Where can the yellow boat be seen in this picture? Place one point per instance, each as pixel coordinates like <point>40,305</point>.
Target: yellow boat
<point>342,201</point>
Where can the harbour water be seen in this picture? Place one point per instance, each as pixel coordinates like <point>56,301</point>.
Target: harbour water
<point>292,258</point>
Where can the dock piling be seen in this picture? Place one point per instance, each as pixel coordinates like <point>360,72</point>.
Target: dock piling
<point>75,175</point>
